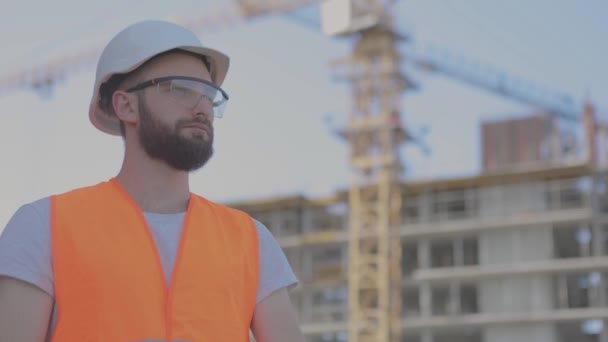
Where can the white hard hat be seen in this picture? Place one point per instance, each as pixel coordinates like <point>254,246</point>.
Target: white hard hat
<point>136,44</point>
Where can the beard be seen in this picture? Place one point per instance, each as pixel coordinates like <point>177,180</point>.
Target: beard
<point>162,142</point>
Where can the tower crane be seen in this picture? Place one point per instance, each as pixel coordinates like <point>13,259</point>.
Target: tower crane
<point>497,82</point>
<point>375,133</point>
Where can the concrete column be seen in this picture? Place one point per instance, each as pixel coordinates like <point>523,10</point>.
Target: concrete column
<point>306,275</point>
<point>458,252</point>
<point>454,299</point>
<point>307,264</point>
<point>424,262</point>
<point>276,222</point>
<point>427,335</point>
<point>552,187</point>
<point>425,288</point>
<point>471,199</point>
<point>307,220</point>
<point>598,293</point>
<point>424,253</point>
<point>597,244</point>
<point>562,291</point>
<point>306,303</point>
<point>604,334</point>
<point>454,296</point>
<point>599,249</point>
<point>424,205</point>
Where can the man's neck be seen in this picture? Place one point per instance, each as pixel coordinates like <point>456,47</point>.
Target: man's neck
<point>154,185</point>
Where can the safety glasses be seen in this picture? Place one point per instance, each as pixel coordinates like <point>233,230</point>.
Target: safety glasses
<point>188,91</point>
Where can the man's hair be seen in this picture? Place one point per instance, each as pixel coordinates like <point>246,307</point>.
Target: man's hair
<point>107,89</point>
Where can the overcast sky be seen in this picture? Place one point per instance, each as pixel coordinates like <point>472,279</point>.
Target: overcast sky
<point>274,139</point>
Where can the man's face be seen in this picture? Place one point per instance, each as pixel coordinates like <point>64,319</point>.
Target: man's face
<point>179,135</point>
<point>171,143</point>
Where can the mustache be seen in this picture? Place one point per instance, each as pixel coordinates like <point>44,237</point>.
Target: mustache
<point>202,121</point>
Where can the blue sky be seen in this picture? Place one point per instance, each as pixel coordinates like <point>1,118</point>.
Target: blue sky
<point>274,139</point>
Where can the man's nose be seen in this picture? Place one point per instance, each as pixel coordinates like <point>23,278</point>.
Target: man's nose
<point>204,107</point>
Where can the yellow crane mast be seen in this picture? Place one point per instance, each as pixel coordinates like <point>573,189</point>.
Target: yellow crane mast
<point>375,134</point>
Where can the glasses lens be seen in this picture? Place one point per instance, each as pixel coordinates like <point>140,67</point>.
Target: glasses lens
<point>191,92</point>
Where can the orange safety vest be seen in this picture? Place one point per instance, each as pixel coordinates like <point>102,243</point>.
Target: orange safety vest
<point>109,282</point>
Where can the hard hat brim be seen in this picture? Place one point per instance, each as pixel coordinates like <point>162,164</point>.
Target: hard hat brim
<point>219,65</point>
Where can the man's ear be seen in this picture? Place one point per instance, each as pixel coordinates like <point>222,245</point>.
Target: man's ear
<point>125,106</point>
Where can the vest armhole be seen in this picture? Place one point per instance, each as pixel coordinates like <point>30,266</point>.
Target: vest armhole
<point>54,235</point>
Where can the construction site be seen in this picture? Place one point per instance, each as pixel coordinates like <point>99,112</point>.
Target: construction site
<point>517,252</point>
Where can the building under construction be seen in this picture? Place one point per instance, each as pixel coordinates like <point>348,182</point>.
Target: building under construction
<point>516,253</point>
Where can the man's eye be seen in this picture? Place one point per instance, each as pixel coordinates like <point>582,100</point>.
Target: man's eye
<point>183,91</point>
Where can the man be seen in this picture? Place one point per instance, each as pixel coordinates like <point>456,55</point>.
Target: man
<point>139,257</point>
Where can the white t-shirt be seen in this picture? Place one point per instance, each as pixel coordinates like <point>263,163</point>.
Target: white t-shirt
<point>25,250</point>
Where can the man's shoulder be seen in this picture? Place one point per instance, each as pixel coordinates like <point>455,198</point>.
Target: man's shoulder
<point>221,206</point>
<point>78,191</point>
<point>259,226</point>
<point>40,205</point>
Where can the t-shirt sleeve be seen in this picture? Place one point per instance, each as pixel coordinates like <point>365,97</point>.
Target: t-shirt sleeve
<point>25,251</point>
<point>275,270</point>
